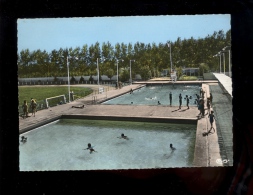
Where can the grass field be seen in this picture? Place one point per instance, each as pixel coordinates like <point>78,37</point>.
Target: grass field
<point>188,78</point>
<point>40,93</point>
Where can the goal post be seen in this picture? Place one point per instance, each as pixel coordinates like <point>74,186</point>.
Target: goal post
<point>56,100</point>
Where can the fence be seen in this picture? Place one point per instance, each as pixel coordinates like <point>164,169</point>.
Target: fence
<point>95,96</point>
<point>64,82</point>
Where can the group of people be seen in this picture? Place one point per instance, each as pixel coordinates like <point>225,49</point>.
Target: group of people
<point>187,98</point>
<point>91,148</point>
<point>33,106</point>
<point>23,139</point>
<point>201,106</point>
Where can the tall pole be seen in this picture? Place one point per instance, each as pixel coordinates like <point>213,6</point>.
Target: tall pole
<point>98,71</point>
<point>224,61</point>
<point>229,71</point>
<point>220,63</point>
<point>131,71</point>
<point>117,73</point>
<point>170,60</point>
<point>68,77</point>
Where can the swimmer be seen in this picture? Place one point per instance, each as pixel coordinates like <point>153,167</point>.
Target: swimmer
<point>159,103</point>
<point>23,139</point>
<point>90,148</point>
<point>172,148</point>
<point>78,106</point>
<point>123,136</point>
<point>131,91</point>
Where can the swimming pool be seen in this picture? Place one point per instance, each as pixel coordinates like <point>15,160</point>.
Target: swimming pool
<point>151,94</point>
<point>59,145</point>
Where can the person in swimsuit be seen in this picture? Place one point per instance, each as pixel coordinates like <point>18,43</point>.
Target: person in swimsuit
<point>78,106</point>
<point>187,101</point>
<point>170,98</point>
<point>90,148</point>
<point>123,136</point>
<point>23,139</point>
<point>211,119</point>
<point>172,148</point>
<point>180,101</point>
<point>25,109</point>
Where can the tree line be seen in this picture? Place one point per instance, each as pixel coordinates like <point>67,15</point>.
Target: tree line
<point>150,59</point>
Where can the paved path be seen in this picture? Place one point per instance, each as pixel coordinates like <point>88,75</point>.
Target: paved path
<point>207,150</point>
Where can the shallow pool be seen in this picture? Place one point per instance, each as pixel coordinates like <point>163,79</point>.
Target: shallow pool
<point>151,94</point>
<point>59,145</point>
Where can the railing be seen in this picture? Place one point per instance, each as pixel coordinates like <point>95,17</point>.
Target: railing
<point>94,98</point>
<point>20,83</point>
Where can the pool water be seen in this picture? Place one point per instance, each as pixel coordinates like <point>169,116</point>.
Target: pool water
<point>60,145</point>
<point>151,94</point>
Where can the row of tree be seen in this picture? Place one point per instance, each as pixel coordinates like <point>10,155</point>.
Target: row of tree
<point>148,60</point>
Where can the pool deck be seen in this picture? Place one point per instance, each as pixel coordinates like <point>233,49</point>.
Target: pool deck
<point>207,149</point>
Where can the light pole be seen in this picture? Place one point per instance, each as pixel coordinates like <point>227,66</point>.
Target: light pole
<point>223,55</point>
<point>216,55</point>
<point>118,71</point>
<point>69,57</point>
<point>169,45</point>
<point>98,69</point>
<point>229,64</point>
<point>131,71</point>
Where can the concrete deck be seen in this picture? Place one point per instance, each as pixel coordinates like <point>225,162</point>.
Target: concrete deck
<point>207,148</point>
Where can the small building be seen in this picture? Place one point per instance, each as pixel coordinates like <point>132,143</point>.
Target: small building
<point>191,71</point>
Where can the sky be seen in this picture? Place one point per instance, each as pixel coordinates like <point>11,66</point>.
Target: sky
<point>55,33</point>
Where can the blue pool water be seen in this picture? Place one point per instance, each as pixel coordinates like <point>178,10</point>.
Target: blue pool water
<point>151,94</point>
<point>59,145</point>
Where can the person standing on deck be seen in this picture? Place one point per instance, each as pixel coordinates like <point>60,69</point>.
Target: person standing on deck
<point>211,98</point>
<point>187,101</point>
<point>208,105</point>
<point>25,109</point>
<point>170,98</point>
<point>180,101</point>
<point>211,119</point>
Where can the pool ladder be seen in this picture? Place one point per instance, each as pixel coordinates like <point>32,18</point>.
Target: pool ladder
<point>94,99</point>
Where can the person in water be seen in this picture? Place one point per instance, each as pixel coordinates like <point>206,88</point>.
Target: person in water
<point>171,146</point>
<point>123,136</point>
<point>159,103</point>
<point>23,139</point>
<point>90,148</point>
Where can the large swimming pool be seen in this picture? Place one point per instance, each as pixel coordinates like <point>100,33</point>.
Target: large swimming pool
<point>59,145</point>
<point>151,94</point>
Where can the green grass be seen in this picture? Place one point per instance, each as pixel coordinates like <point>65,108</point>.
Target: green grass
<point>43,92</point>
<point>188,78</point>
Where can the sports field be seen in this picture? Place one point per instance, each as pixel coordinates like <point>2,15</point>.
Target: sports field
<point>40,93</point>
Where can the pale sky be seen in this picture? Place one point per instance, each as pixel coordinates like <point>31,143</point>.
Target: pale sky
<point>55,33</point>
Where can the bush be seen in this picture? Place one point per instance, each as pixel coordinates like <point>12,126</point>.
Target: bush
<point>91,78</point>
<point>81,80</point>
<point>72,80</point>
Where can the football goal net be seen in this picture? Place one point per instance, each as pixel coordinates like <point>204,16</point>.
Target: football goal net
<point>56,100</point>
